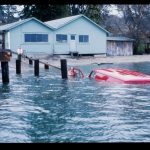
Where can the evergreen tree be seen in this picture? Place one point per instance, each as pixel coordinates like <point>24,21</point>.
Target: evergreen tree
<point>97,13</point>
<point>76,9</point>
<point>94,13</point>
<point>44,12</point>
<point>49,12</point>
<point>1,14</point>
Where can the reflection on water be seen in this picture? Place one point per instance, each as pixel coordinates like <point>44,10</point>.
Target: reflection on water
<point>49,109</point>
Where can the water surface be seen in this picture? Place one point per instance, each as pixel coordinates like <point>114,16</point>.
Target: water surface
<point>50,109</point>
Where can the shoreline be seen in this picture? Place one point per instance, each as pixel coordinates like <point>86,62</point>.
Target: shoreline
<point>81,61</point>
<point>88,60</point>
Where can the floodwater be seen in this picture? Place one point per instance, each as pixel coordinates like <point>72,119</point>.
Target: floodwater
<point>50,109</point>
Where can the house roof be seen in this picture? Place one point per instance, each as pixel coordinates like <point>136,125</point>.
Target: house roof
<point>58,23</point>
<point>119,38</point>
<point>53,24</point>
<point>17,23</point>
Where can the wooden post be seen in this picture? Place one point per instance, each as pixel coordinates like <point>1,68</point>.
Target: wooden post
<point>30,62</point>
<point>19,57</point>
<point>4,65</point>
<point>46,66</point>
<point>64,69</point>
<point>18,66</point>
<point>36,67</point>
<point>5,72</point>
<point>3,40</point>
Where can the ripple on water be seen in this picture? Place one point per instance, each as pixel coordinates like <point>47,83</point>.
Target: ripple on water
<point>49,109</point>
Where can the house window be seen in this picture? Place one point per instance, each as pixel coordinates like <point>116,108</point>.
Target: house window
<point>72,37</point>
<point>61,38</point>
<point>36,37</point>
<point>83,38</point>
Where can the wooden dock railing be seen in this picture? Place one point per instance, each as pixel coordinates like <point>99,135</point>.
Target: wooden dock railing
<point>63,64</point>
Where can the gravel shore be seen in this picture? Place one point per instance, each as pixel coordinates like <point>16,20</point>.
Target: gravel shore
<point>85,60</point>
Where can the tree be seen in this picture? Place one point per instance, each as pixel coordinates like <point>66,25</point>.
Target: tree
<point>44,12</point>
<point>49,12</point>
<point>76,9</point>
<point>95,12</point>
<point>2,14</point>
<point>135,17</point>
<point>9,12</point>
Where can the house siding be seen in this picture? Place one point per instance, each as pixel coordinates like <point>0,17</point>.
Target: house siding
<point>14,38</point>
<point>81,26</point>
<point>119,48</point>
<point>17,38</point>
<point>6,40</point>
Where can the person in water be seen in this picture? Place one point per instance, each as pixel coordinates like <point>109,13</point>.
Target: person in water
<point>75,72</point>
<point>72,72</point>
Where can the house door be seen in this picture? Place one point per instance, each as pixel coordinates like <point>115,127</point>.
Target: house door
<point>72,43</point>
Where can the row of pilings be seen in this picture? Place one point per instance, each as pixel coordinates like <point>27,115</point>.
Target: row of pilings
<point>63,64</point>
<point>5,67</point>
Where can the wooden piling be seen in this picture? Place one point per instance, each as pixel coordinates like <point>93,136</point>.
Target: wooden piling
<point>18,66</point>
<point>36,67</point>
<point>46,66</point>
<point>5,72</point>
<point>30,62</point>
<point>64,69</point>
<point>4,64</point>
<point>19,57</point>
<point>3,40</point>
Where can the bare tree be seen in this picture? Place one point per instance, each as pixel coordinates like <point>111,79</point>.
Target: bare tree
<point>135,17</point>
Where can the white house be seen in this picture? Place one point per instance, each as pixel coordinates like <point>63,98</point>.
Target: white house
<point>62,36</point>
<point>30,34</point>
<point>78,34</point>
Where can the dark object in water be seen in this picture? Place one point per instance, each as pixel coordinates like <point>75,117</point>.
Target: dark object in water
<point>102,63</point>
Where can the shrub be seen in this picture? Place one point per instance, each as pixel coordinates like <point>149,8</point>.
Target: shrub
<point>140,48</point>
